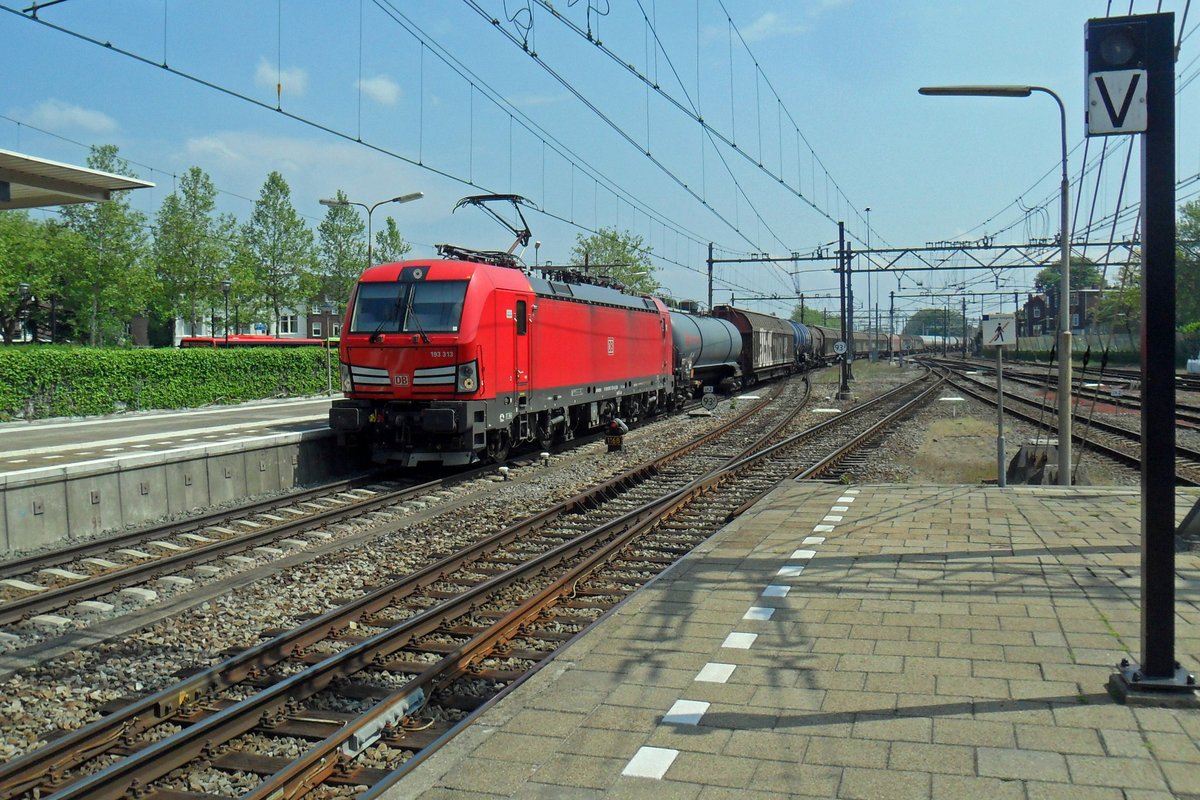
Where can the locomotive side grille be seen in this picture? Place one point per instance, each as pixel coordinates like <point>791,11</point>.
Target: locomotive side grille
<point>434,376</point>
<point>372,376</point>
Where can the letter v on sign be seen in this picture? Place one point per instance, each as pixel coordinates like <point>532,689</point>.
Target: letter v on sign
<point>1117,102</point>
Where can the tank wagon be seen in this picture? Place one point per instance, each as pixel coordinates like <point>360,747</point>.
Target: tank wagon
<point>707,352</point>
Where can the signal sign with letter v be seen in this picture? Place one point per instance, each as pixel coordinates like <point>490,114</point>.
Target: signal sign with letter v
<point>1117,102</point>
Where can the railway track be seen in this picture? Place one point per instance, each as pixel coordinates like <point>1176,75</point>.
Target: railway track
<point>1087,388</point>
<point>1114,441</point>
<point>363,687</point>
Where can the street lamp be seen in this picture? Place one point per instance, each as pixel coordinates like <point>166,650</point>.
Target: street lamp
<point>22,312</point>
<point>404,198</point>
<point>226,285</point>
<point>1064,310</point>
<point>536,246</point>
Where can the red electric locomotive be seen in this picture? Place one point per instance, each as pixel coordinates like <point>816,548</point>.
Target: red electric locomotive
<point>453,361</point>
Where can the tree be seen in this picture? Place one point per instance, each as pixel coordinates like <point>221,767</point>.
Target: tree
<point>278,247</point>
<point>342,253</point>
<point>1084,275</point>
<point>817,316</point>
<point>935,322</point>
<point>620,256</point>
<point>193,249</point>
<point>1187,265</point>
<point>389,244</point>
<point>110,283</point>
<point>31,255</point>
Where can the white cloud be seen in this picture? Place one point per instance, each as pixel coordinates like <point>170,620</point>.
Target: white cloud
<point>770,25</point>
<point>381,89</point>
<point>56,115</point>
<point>293,81</point>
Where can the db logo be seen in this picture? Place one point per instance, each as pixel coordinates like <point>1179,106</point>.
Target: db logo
<point>402,380</point>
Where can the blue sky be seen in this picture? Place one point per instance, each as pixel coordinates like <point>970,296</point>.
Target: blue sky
<point>832,109</point>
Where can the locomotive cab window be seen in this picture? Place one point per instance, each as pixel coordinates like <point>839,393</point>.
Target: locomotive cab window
<point>424,307</point>
<point>521,310</point>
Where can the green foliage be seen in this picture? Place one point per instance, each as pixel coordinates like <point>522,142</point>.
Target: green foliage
<point>817,316</point>
<point>621,256</point>
<point>110,282</point>
<point>389,244</point>
<point>1187,264</point>
<point>64,381</point>
<point>342,253</point>
<point>934,322</point>
<point>1084,275</point>
<point>277,247</point>
<point>192,251</point>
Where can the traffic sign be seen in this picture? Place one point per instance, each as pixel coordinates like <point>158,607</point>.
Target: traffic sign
<point>999,330</point>
<point>709,401</point>
<point>839,348</point>
<point>1117,102</point>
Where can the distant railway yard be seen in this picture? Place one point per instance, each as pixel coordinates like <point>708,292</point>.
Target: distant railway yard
<point>325,640</point>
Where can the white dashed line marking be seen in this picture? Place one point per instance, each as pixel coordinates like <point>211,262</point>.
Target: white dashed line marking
<point>776,591</point>
<point>790,571</point>
<point>650,762</point>
<point>686,712</point>
<point>739,641</point>
<point>804,555</point>
<point>822,529</point>
<point>759,613</point>
<point>715,672</point>
<point>813,540</point>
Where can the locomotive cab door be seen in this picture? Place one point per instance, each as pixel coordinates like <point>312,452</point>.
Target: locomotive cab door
<point>523,358</point>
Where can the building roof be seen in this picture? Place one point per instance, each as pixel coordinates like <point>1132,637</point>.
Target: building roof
<point>29,182</point>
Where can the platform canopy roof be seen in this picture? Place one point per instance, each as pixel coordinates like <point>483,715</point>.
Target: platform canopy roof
<point>29,182</point>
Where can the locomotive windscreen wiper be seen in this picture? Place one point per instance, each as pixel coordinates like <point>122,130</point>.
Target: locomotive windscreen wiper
<point>409,314</point>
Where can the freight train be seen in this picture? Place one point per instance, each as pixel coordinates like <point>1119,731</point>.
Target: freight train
<point>458,360</point>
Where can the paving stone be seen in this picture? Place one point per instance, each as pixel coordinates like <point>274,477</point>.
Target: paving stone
<point>869,784</point>
<point>1132,773</point>
<point>1013,764</point>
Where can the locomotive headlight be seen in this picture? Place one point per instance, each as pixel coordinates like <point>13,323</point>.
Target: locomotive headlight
<point>468,377</point>
<point>347,384</point>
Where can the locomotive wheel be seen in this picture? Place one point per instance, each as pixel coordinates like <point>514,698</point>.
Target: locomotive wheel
<point>497,446</point>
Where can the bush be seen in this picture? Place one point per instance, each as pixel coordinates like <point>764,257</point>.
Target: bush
<point>65,381</point>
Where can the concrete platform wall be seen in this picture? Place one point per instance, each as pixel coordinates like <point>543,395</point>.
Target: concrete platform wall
<point>76,500</point>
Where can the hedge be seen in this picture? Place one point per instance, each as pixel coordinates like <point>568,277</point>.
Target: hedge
<point>64,381</point>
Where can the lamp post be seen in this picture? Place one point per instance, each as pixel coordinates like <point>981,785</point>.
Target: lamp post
<point>337,201</point>
<point>226,285</point>
<point>536,246</point>
<point>22,313</point>
<point>1064,314</point>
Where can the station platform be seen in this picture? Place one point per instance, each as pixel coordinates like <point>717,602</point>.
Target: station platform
<point>884,641</point>
<point>39,444</point>
<point>68,478</point>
